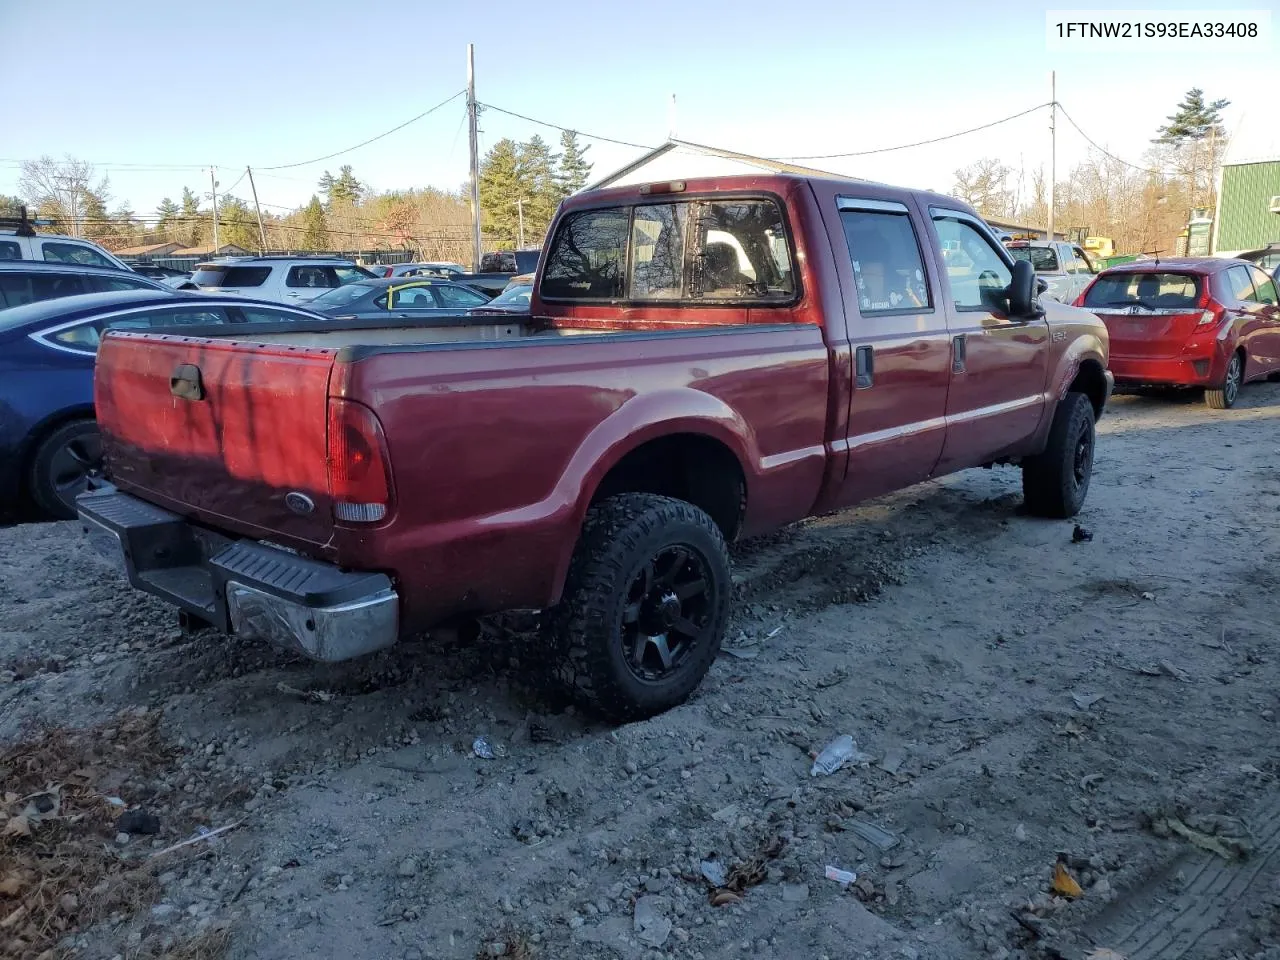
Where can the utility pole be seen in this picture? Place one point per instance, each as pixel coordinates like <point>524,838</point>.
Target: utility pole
<point>262,234</point>
<point>1053,142</point>
<point>214,193</point>
<point>520,211</point>
<point>472,121</point>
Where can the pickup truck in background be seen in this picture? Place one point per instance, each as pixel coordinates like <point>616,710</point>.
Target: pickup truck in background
<point>702,361</point>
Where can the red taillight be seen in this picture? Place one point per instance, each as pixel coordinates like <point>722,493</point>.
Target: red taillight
<point>359,469</point>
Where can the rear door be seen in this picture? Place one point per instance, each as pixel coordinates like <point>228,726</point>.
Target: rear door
<point>220,431</point>
<point>999,363</point>
<point>1255,320</point>
<point>898,333</point>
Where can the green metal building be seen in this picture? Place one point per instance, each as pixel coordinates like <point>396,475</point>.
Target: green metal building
<point>1248,215</point>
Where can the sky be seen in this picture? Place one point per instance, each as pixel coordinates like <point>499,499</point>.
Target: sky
<point>154,93</point>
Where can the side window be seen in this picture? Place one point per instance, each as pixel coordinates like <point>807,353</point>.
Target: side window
<point>74,253</point>
<point>741,252</point>
<point>1266,288</point>
<point>980,279</point>
<point>51,286</point>
<point>657,245</point>
<point>412,298</point>
<point>1240,284</point>
<point>245,277</point>
<point>345,275</point>
<point>309,276</point>
<point>84,337</point>
<point>588,256</point>
<point>267,315</point>
<point>111,284</point>
<point>887,264</point>
<point>9,250</point>
<point>458,297</point>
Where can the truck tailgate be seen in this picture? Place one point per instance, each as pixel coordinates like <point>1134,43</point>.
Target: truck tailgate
<point>220,431</point>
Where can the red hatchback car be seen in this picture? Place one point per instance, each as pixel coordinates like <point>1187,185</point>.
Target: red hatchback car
<point>1205,322</point>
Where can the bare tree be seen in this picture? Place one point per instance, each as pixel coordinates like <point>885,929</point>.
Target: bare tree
<point>64,190</point>
<point>985,186</point>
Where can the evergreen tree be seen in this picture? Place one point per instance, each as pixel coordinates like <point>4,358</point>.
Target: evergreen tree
<point>344,188</point>
<point>192,223</point>
<point>237,224</point>
<point>315,232</point>
<point>1193,120</point>
<point>168,213</point>
<point>500,188</point>
<point>575,168</point>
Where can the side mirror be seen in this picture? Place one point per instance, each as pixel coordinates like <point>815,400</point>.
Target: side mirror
<point>1041,285</point>
<point>1022,290</point>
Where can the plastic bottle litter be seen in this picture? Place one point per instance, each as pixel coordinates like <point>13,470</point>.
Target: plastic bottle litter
<point>842,877</point>
<point>483,749</point>
<point>843,749</point>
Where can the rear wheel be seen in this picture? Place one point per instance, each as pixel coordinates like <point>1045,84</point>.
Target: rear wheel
<point>61,467</point>
<point>1224,396</point>
<point>1055,482</point>
<point>645,606</point>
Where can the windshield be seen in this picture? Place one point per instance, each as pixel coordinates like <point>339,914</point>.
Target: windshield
<point>1042,258</point>
<point>517,295</point>
<point>1154,291</point>
<point>341,296</point>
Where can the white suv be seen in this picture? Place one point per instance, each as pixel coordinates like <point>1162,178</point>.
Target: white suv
<point>283,279</point>
<point>19,241</point>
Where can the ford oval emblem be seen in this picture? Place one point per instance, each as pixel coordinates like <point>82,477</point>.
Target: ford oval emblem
<point>299,503</point>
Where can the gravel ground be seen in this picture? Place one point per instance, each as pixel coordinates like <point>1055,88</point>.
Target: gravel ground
<point>1018,698</point>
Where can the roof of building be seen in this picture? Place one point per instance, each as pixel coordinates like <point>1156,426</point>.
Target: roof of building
<point>684,146</point>
<point>1256,139</point>
<point>145,249</point>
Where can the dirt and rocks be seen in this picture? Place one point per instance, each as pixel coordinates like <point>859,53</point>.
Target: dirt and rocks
<point>1021,698</point>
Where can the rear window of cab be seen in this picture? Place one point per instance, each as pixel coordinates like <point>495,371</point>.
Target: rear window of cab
<point>706,251</point>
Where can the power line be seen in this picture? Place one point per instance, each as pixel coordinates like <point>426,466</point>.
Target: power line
<point>921,143</point>
<point>1105,153</point>
<point>365,143</point>
<point>556,126</point>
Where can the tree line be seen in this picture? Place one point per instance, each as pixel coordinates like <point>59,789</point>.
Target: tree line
<point>345,213</point>
<point>1143,209</point>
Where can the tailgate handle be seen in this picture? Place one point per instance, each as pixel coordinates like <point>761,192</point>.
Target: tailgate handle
<point>186,383</point>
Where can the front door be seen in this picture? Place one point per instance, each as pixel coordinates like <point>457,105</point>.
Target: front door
<point>999,363</point>
<point>898,334</point>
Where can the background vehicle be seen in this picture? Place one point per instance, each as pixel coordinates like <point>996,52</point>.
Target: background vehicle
<point>497,269</point>
<point>20,241</point>
<point>1064,267</point>
<point>511,302</point>
<point>1205,322</point>
<point>1267,258</point>
<point>48,437</point>
<point>412,297</point>
<point>281,278</point>
<point>661,400</point>
<point>446,271</point>
<point>27,281</point>
<point>170,276</point>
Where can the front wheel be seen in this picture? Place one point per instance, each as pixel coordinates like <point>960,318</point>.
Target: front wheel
<point>1224,397</point>
<point>1055,482</point>
<point>645,606</point>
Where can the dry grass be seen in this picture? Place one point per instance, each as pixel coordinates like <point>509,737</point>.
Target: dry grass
<point>516,946</point>
<point>210,945</point>
<point>59,871</point>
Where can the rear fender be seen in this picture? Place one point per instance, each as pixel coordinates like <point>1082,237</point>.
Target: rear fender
<point>646,417</point>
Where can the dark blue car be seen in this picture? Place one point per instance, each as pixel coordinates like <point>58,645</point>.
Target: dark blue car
<point>49,441</point>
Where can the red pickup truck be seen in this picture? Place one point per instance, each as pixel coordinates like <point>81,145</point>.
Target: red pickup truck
<point>704,360</point>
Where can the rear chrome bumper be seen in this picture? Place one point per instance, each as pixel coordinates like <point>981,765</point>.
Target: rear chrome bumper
<point>241,586</point>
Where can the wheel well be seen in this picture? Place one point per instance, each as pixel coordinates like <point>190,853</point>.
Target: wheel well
<point>690,467</point>
<point>1092,382</point>
<point>42,432</point>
